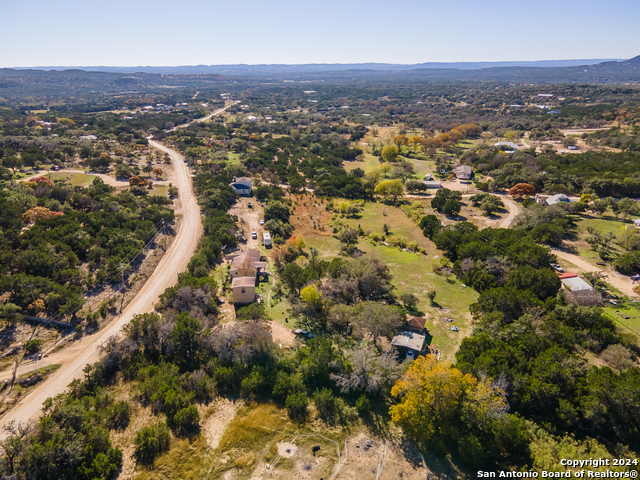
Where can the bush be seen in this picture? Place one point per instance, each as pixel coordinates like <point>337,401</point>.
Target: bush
<point>628,263</point>
<point>118,415</point>
<point>32,346</point>
<point>187,420</point>
<point>363,406</point>
<point>297,404</point>
<point>325,404</point>
<point>151,441</point>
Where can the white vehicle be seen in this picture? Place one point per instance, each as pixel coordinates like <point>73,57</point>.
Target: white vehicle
<point>254,235</point>
<point>261,222</point>
<point>454,328</point>
<point>427,176</point>
<point>266,237</point>
<point>411,355</point>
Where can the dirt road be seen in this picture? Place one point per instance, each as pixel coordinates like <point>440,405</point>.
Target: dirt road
<point>513,208</point>
<point>620,282</point>
<point>164,276</point>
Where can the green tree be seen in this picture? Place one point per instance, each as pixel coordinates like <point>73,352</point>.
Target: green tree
<point>390,153</point>
<point>430,225</point>
<point>185,338</point>
<point>297,404</point>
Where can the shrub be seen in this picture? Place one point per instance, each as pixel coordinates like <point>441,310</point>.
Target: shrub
<point>325,404</point>
<point>118,415</point>
<point>187,420</point>
<point>363,405</point>
<point>297,404</point>
<point>151,441</point>
<point>32,346</point>
<point>628,263</point>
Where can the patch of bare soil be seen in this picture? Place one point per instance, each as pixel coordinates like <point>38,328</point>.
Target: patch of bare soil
<point>310,216</point>
<point>248,219</point>
<point>281,334</point>
<point>214,426</point>
<point>372,459</point>
<point>287,450</point>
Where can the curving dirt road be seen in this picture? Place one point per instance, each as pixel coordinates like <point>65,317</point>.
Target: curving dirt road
<point>165,275</point>
<point>513,208</point>
<point>620,282</point>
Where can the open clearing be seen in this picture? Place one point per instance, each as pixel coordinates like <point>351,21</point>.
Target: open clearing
<point>412,272</point>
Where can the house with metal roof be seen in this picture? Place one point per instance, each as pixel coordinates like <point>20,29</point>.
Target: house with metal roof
<point>573,282</point>
<point>411,340</point>
<point>242,185</point>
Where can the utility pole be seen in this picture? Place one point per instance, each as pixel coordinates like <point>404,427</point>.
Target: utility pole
<point>122,280</point>
<point>164,237</point>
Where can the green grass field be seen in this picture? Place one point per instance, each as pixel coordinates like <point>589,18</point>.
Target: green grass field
<point>75,179</point>
<point>234,158</point>
<point>412,273</point>
<point>626,325</point>
<point>369,163</point>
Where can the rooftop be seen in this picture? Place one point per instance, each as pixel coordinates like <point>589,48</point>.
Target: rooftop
<point>246,258</point>
<point>243,282</point>
<point>462,169</point>
<point>242,180</point>
<point>416,322</point>
<point>411,340</point>
<point>576,284</point>
<point>559,197</point>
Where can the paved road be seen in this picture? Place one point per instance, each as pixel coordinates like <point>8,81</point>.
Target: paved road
<point>165,275</point>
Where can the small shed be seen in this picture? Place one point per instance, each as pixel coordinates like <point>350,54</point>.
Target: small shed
<point>432,183</point>
<point>416,324</point>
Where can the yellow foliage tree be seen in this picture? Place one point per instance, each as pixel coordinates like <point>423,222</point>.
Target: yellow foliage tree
<point>433,396</point>
<point>311,296</point>
<point>390,153</point>
<point>400,140</point>
<point>390,188</point>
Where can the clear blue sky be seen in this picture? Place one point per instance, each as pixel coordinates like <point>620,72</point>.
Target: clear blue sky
<point>191,32</point>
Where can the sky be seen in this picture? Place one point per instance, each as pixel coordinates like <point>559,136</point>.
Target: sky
<point>212,32</point>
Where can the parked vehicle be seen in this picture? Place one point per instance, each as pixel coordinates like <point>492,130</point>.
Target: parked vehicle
<point>411,355</point>
<point>254,235</point>
<point>249,205</point>
<point>261,222</point>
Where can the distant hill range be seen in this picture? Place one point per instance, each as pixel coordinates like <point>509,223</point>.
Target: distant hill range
<point>56,81</point>
<point>242,69</point>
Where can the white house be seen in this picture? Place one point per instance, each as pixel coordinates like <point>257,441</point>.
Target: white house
<point>558,198</point>
<point>510,145</point>
<point>241,185</point>
<point>463,172</point>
